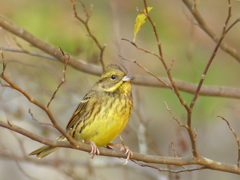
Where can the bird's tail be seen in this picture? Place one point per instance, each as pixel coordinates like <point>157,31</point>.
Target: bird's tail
<point>46,150</point>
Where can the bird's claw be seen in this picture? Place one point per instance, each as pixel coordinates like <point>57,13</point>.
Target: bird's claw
<point>125,148</point>
<point>128,152</point>
<point>95,150</point>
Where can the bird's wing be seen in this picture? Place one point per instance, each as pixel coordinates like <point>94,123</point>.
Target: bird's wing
<point>80,109</point>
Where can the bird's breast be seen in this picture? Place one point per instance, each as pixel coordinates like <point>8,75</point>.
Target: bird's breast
<point>111,116</point>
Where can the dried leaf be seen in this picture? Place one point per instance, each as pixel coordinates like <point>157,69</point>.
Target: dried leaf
<point>140,20</point>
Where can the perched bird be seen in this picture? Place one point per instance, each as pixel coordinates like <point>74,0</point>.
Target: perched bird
<point>102,114</point>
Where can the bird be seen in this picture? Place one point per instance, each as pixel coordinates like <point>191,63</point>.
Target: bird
<point>102,114</point>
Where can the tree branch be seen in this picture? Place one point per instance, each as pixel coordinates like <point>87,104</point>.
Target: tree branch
<point>180,161</point>
<point>46,47</point>
<point>209,31</point>
<point>83,66</point>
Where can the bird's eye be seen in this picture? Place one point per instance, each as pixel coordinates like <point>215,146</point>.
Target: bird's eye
<point>113,77</point>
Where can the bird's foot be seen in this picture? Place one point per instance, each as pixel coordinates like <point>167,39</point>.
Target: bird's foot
<point>95,150</point>
<point>123,147</point>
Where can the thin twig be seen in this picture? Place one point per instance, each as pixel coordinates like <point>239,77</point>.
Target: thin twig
<point>174,150</point>
<point>174,117</point>
<point>66,60</point>
<point>4,63</point>
<point>32,53</point>
<point>159,44</point>
<point>142,49</point>
<point>233,24</point>
<point>35,119</point>
<point>236,137</point>
<point>167,170</point>
<point>146,70</point>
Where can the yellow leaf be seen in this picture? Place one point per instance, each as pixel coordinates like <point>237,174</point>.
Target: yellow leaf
<point>140,20</point>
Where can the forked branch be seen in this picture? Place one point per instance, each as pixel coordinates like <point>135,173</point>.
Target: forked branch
<point>86,25</point>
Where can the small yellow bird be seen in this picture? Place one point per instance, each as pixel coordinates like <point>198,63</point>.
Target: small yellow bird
<point>102,114</point>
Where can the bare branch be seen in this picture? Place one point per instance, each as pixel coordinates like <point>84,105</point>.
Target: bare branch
<point>212,56</point>
<point>189,118</point>
<point>85,23</point>
<point>209,31</point>
<point>37,103</point>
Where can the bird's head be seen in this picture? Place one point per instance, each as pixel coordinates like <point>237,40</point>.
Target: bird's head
<point>115,78</point>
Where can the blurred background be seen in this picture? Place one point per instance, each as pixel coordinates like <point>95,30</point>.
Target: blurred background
<point>151,128</point>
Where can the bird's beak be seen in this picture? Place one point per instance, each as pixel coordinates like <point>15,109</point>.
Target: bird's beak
<point>127,78</point>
